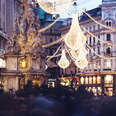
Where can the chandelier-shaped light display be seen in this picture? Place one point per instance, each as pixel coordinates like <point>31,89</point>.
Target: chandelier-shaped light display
<point>74,54</point>
<point>82,63</point>
<point>63,62</point>
<point>82,54</point>
<point>75,38</point>
<point>54,6</point>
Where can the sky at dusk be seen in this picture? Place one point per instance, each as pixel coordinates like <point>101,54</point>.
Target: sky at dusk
<point>82,5</point>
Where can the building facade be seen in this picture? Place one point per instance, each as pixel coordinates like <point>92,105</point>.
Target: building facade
<point>20,68</point>
<point>100,74</point>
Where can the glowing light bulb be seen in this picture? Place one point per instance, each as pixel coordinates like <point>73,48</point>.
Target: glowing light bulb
<point>63,62</point>
<point>75,38</point>
<point>81,63</point>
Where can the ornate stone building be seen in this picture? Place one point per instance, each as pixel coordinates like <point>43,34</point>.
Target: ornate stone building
<point>23,57</point>
<point>100,75</point>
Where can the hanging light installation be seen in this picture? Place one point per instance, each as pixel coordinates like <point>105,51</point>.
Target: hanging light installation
<point>81,63</point>
<point>54,6</point>
<point>82,54</point>
<point>63,62</point>
<point>75,38</point>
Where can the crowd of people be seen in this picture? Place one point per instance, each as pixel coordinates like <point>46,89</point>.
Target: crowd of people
<point>58,101</point>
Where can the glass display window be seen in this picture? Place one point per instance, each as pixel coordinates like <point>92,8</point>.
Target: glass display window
<point>89,89</point>
<point>90,80</point>
<point>108,79</point>
<point>108,91</point>
<point>82,80</point>
<point>94,80</point>
<point>86,80</point>
<point>99,90</point>
<point>94,90</point>
<point>98,80</point>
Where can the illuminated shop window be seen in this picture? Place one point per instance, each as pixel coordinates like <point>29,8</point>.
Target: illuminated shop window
<point>108,91</point>
<point>98,80</point>
<point>89,89</point>
<point>94,80</point>
<point>99,91</point>
<point>86,80</point>
<point>108,79</point>
<point>94,90</point>
<point>51,84</point>
<point>90,80</point>
<point>82,80</point>
<point>65,82</point>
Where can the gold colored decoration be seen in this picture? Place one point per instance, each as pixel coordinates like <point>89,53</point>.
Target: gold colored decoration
<point>23,63</point>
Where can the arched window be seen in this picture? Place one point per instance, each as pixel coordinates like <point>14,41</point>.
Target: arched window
<point>109,23</point>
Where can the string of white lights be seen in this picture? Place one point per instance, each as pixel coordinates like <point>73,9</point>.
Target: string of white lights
<point>49,26</point>
<point>105,42</point>
<point>53,43</point>
<point>110,28</point>
<point>50,57</point>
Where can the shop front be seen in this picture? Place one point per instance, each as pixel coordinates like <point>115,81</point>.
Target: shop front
<point>103,84</point>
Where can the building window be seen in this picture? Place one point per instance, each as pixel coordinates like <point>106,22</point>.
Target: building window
<point>90,40</point>
<point>108,64</point>
<point>90,80</point>
<point>93,40</point>
<point>98,50</point>
<point>108,51</point>
<point>94,80</point>
<point>86,80</point>
<point>109,23</point>
<point>82,80</point>
<point>99,91</point>
<point>94,90</point>
<point>98,80</point>
<point>108,79</point>
<point>108,37</point>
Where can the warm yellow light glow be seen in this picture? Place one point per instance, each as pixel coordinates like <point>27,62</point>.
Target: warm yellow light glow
<point>82,80</point>
<point>108,79</point>
<point>54,6</point>
<point>99,90</point>
<point>90,80</point>
<point>75,38</point>
<point>86,80</point>
<point>63,62</point>
<point>94,91</point>
<point>89,89</point>
<point>98,80</point>
<point>94,80</point>
<point>23,63</point>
